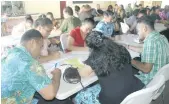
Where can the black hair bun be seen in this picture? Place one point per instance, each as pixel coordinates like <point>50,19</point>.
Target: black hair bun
<point>71,75</point>
<point>94,39</point>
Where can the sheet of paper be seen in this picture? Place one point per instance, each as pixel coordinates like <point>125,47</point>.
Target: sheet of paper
<point>75,62</point>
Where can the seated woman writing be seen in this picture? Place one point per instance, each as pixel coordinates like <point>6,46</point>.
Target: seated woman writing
<point>112,64</point>
<point>77,36</point>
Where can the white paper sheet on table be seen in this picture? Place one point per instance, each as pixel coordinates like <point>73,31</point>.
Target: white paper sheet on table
<point>67,89</point>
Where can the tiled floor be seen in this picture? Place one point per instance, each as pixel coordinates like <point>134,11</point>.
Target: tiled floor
<point>166,96</point>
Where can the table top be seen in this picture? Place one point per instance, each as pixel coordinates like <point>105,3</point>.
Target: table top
<point>129,39</point>
<point>159,27</point>
<point>66,89</point>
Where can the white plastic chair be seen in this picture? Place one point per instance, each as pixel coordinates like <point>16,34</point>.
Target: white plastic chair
<point>124,27</point>
<point>165,72</point>
<point>145,95</point>
<point>63,40</point>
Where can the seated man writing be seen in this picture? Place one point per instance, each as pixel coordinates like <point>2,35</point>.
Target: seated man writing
<point>22,74</point>
<point>77,36</point>
<point>155,50</point>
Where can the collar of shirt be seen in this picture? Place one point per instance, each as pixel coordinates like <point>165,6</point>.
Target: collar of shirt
<point>22,48</point>
<point>151,34</point>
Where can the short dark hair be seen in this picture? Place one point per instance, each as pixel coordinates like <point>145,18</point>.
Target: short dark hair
<point>146,20</point>
<point>99,11</point>
<point>143,11</point>
<point>108,13</point>
<point>28,18</point>
<point>140,4</point>
<point>153,8</point>
<point>30,34</point>
<point>49,13</point>
<point>106,56</point>
<point>110,7</point>
<point>77,8</point>
<point>42,22</point>
<point>136,11</point>
<point>89,20</point>
<point>42,16</point>
<point>69,10</point>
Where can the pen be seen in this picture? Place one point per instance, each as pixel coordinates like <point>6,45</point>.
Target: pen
<point>56,65</point>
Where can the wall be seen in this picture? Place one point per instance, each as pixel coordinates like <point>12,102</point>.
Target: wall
<point>103,4</point>
<point>43,7</point>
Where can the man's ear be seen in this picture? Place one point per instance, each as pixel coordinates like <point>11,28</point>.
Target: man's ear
<point>33,44</point>
<point>39,28</point>
<point>145,28</point>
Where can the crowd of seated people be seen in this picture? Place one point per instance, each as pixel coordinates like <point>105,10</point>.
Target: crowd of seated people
<point>90,30</point>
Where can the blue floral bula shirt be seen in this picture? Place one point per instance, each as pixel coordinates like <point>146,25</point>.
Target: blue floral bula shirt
<point>21,76</point>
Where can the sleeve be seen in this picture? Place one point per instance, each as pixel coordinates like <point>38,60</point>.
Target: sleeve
<point>149,53</point>
<point>38,77</point>
<point>73,33</point>
<point>99,27</point>
<point>64,26</point>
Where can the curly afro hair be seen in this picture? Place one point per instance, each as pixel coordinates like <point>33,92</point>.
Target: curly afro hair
<point>106,56</point>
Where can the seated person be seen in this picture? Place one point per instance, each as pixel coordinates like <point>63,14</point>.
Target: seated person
<point>77,10</point>
<point>99,16</point>
<point>45,26</point>
<point>130,21</point>
<point>77,36</point>
<point>155,14</point>
<point>22,74</point>
<point>21,28</point>
<point>70,22</point>
<point>54,21</point>
<point>106,26</point>
<point>112,65</point>
<point>133,26</point>
<point>86,12</point>
<point>155,51</point>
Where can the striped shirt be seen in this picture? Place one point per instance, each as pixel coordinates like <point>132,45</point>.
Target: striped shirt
<point>156,52</point>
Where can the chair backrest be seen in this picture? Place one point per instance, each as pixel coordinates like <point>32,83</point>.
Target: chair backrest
<point>145,95</point>
<point>164,71</point>
<point>63,40</point>
<point>124,27</point>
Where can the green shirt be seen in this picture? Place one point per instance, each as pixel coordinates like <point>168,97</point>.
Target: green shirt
<point>156,52</point>
<point>69,24</point>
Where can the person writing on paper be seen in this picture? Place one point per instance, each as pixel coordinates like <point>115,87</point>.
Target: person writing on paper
<point>155,52</point>
<point>70,22</point>
<point>112,65</point>
<point>22,75</point>
<point>45,26</point>
<point>77,36</point>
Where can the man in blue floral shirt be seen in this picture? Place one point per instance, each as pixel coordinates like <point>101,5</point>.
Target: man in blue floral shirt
<point>22,75</point>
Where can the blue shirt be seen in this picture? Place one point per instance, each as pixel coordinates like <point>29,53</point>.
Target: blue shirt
<point>21,76</point>
<point>105,28</point>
